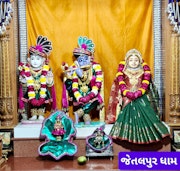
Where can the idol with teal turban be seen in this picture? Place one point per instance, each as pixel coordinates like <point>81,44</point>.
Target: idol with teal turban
<point>83,82</point>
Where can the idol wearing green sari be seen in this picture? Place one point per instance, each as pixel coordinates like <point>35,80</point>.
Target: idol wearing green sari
<point>138,118</point>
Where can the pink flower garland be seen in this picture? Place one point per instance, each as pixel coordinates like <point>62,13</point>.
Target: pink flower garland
<point>33,101</point>
<point>94,84</point>
<point>144,84</point>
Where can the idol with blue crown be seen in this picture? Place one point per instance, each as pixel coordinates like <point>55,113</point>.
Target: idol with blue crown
<point>83,82</point>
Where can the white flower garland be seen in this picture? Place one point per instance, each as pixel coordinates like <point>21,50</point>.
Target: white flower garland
<point>31,81</point>
<point>174,15</point>
<point>5,15</point>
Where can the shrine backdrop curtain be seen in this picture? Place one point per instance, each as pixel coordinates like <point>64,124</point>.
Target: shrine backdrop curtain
<point>114,26</point>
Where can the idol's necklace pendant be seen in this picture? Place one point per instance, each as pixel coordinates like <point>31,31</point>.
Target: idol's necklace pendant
<point>84,88</point>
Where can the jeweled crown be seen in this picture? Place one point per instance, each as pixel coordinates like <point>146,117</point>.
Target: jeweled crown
<point>43,47</point>
<point>133,51</point>
<point>85,46</point>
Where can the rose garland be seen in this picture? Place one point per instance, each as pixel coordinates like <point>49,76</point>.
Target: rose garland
<point>144,84</point>
<point>96,83</point>
<point>25,72</point>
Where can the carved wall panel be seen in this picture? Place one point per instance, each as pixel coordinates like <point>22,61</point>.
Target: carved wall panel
<point>8,86</point>
<point>171,34</point>
<point>174,114</point>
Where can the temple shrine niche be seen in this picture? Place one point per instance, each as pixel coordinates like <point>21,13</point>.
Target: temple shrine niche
<point>13,47</point>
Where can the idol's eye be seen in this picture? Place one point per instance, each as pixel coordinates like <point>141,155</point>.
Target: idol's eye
<point>80,59</point>
<point>86,58</point>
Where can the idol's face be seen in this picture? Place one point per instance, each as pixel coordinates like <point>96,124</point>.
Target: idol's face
<point>133,61</point>
<point>36,61</point>
<point>83,60</point>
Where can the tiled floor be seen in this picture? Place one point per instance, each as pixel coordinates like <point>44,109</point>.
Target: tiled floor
<point>39,163</point>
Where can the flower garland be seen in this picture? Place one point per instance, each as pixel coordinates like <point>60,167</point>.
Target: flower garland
<point>96,83</point>
<point>144,84</point>
<point>26,72</point>
<point>173,12</point>
<point>5,15</point>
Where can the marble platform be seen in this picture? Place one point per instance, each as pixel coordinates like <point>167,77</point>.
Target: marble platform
<point>27,139</point>
<point>33,130</point>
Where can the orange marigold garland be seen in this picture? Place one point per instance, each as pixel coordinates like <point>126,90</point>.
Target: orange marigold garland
<point>144,84</point>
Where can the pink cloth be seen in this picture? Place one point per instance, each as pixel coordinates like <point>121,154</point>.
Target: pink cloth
<point>21,103</point>
<point>64,97</point>
<point>54,104</point>
<point>58,132</point>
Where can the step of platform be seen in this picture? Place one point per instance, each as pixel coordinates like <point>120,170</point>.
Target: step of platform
<point>33,130</point>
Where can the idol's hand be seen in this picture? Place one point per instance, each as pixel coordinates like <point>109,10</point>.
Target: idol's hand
<point>70,71</point>
<point>50,79</point>
<point>79,72</point>
<point>22,79</point>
